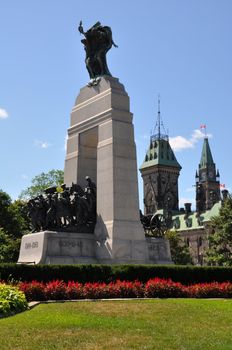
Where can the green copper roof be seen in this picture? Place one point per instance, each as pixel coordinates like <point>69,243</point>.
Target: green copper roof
<point>194,222</point>
<point>213,211</point>
<point>160,153</point>
<point>206,155</point>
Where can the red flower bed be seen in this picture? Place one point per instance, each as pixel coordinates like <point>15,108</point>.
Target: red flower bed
<point>56,290</point>
<point>154,288</point>
<point>210,290</point>
<point>33,290</point>
<point>126,289</point>
<point>74,290</point>
<point>159,288</point>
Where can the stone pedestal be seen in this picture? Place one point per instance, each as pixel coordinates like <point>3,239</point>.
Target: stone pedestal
<point>50,247</point>
<point>62,248</point>
<point>101,145</point>
<point>159,250</point>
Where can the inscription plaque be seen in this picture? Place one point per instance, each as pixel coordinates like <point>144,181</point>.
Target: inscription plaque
<point>31,245</point>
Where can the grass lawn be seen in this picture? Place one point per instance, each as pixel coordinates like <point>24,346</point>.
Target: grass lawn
<point>150,324</point>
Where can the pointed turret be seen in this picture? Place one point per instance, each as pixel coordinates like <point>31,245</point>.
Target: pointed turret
<point>207,184</point>
<point>206,155</point>
<point>160,171</point>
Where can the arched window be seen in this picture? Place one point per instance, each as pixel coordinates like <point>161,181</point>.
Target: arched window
<point>199,241</point>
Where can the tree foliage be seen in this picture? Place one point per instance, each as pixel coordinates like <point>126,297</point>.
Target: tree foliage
<point>9,247</point>
<point>42,181</point>
<point>179,250</point>
<point>14,221</point>
<point>13,224</point>
<point>220,237</point>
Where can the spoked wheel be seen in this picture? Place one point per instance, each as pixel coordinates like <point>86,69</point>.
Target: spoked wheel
<point>157,225</point>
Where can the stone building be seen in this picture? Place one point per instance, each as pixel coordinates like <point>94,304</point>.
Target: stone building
<point>160,171</point>
<point>207,180</point>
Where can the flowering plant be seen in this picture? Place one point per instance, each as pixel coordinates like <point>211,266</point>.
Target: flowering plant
<point>154,288</point>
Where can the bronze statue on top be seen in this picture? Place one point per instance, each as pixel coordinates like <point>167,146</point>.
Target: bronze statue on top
<point>98,41</point>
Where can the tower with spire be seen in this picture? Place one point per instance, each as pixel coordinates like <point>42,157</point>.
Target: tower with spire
<point>160,171</point>
<point>207,180</point>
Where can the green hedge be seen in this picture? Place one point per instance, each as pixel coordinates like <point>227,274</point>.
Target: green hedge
<point>108,273</point>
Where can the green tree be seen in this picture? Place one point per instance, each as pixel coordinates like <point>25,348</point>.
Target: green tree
<point>5,214</point>
<point>9,247</point>
<point>220,236</point>
<point>179,250</point>
<point>42,181</point>
<point>13,218</point>
<point>13,224</point>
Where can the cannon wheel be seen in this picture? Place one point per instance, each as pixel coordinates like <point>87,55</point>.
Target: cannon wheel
<point>157,225</point>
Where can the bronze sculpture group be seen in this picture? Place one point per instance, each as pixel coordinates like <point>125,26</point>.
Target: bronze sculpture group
<point>72,209</point>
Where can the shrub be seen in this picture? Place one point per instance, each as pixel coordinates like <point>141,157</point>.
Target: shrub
<point>12,300</point>
<point>111,273</point>
<point>210,290</point>
<point>95,291</point>
<point>154,288</point>
<point>126,289</point>
<point>55,290</point>
<point>33,291</point>
<point>74,290</point>
<point>158,288</point>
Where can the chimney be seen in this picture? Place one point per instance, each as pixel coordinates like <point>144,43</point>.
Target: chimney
<point>224,194</point>
<point>187,208</point>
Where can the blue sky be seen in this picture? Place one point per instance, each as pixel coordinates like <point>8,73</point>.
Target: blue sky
<point>180,49</point>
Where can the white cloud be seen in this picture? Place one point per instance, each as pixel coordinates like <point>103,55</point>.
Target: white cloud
<point>41,144</point>
<point>24,176</point>
<point>179,143</point>
<point>198,135</point>
<point>3,114</point>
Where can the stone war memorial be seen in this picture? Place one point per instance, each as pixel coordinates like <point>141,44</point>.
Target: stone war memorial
<point>94,217</point>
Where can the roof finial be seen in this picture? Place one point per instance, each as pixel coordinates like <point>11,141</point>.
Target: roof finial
<point>158,126</point>
<point>203,126</point>
<point>159,116</point>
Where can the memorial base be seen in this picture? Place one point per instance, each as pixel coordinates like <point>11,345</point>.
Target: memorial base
<point>63,248</point>
<point>49,247</point>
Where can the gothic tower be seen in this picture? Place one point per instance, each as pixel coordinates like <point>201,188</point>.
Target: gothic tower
<point>207,180</point>
<point>160,171</point>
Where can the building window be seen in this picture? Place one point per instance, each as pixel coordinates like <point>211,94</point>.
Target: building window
<point>199,241</point>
